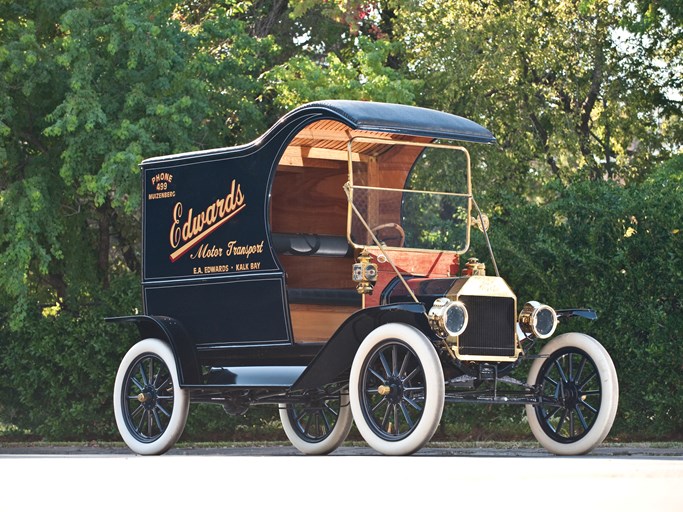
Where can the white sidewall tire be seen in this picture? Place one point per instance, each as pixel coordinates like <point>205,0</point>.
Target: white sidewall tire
<point>434,380</point>
<point>336,437</point>
<point>181,401</point>
<point>608,403</point>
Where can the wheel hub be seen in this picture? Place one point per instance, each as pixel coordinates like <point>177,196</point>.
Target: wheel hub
<point>395,390</point>
<point>148,397</point>
<point>570,394</point>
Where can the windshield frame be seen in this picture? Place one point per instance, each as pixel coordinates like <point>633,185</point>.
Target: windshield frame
<point>353,157</point>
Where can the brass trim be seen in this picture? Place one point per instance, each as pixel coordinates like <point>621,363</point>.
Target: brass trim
<point>528,318</point>
<point>485,286</point>
<point>379,246</point>
<point>350,187</point>
<point>489,359</point>
<point>438,317</point>
<point>387,189</point>
<point>364,273</point>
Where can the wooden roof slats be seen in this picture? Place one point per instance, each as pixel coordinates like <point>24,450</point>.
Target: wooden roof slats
<point>328,140</point>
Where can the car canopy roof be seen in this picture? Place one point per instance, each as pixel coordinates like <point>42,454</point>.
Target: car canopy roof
<point>364,118</point>
<point>400,119</point>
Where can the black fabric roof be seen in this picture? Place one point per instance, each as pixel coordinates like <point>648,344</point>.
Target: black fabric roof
<point>403,119</point>
<point>359,115</point>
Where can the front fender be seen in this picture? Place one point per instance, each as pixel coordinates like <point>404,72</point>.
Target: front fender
<point>588,314</point>
<point>170,330</point>
<point>336,356</point>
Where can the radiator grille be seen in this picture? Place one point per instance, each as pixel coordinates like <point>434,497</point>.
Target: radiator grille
<point>491,327</point>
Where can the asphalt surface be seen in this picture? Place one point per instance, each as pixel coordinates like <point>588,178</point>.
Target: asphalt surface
<point>486,449</point>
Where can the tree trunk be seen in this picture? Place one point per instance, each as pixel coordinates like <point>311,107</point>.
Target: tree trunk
<point>264,24</point>
<point>584,129</point>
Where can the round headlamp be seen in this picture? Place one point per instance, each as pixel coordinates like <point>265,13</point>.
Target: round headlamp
<point>538,320</point>
<point>448,318</point>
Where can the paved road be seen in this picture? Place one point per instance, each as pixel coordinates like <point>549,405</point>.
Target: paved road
<point>671,451</point>
<point>273,478</point>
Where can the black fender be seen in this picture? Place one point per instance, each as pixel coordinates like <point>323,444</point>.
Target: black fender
<point>170,330</point>
<point>588,314</point>
<point>337,355</point>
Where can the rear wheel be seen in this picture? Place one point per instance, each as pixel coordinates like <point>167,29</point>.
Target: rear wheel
<point>318,426</point>
<point>149,405</point>
<point>579,392</point>
<point>396,389</point>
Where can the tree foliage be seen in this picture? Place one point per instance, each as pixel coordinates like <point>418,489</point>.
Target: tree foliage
<point>362,76</point>
<point>92,95</point>
<point>566,88</point>
<point>88,90</point>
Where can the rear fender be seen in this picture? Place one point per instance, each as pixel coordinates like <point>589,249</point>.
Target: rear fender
<point>169,330</point>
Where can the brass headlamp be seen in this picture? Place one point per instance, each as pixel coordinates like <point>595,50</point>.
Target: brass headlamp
<point>538,320</point>
<point>448,318</point>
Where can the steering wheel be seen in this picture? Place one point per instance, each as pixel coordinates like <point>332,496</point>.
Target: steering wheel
<point>399,236</point>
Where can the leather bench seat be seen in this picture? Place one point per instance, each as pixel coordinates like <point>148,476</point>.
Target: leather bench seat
<point>303,244</point>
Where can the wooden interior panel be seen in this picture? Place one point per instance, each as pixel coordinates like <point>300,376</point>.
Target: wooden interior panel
<point>308,197</point>
<point>412,263</point>
<point>299,156</point>
<point>318,272</point>
<point>317,323</point>
<point>311,201</point>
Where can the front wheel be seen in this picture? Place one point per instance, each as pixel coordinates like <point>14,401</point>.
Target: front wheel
<point>149,405</point>
<point>577,386</point>
<point>396,389</point>
<point>317,426</point>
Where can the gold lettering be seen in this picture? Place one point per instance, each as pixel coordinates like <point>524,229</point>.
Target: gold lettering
<point>211,215</point>
<point>164,176</point>
<point>175,230</point>
<point>205,251</point>
<point>187,227</point>
<point>161,195</point>
<point>243,250</point>
<point>216,268</point>
<point>196,228</point>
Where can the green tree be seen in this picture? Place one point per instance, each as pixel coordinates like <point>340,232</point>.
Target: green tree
<point>343,50</point>
<point>567,89</point>
<point>363,76</point>
<point>87,90</point>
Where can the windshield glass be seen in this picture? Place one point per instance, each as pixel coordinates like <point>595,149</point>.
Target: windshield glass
<point>409,196</point>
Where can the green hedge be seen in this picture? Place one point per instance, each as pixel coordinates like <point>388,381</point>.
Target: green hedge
<point>58,370</point>
<point>615,249</point>
<point>618,250</point>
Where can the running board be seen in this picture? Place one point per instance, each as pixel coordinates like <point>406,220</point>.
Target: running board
<point>252,377</point>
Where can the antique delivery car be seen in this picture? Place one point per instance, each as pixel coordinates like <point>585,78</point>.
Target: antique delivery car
<point>319,269</point>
